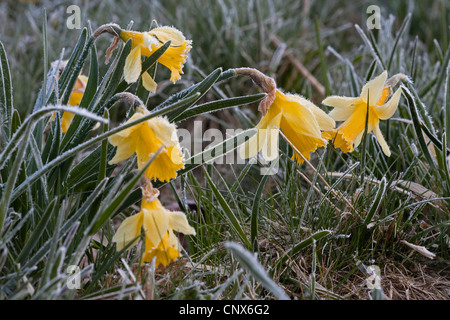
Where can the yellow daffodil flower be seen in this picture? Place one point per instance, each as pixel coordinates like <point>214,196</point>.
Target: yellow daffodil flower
<point>145,139</point>
<point>159,225</point>
<point>74,100</point>
<point>300,121</point>
<point>353,112</point>
<point>144,43</point>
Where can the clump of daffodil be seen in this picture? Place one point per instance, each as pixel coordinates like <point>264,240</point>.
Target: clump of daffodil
<point>145,139</point>
<point>353,111</point>
<point>144,44</point>
<point>158,225</point>
<point>298,118</point>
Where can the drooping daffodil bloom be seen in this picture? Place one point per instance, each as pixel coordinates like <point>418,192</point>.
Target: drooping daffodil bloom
<point>353,110</point>
<point>158,225</point>
<point>145,43</point>
<point>145,139</point>
<point>300,121</point>
<point>74,100</point>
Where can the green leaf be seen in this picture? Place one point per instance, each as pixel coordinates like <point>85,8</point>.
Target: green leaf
<point>37,233</point>
<point>72,60</point>
<point>34,117</point>
<point>92,83</point>
<point>213,153</point>
<point>372,47</point>
<point>7,192</point>
<point>76,72</point>
<point>371,70</point>
<point>323,64</point>
<point>218,105</point>
<point>51,148</point>
<point>201,87</point>
<point>6,95</point>
<point>397,38</point>
<point>377,202</point>
<point>417,126</point>
<point>68,224</point>
<point>301,245</point>
<point>255,212</point>
<point>229,215</point>
<point>252,265</point>
<point>447,106</point>
<point>103,158</point>
<point>16,122</point>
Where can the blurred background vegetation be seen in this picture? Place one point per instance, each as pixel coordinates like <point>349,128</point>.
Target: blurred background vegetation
<point>225,33</point>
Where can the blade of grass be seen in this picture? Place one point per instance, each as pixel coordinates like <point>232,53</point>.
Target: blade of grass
<point>323,65</point>
<point>298,247</point>
<point>417,127</point>
<point>375,53</point>
<point>252,265</point>
<point>6,95</point>
<point>397,39</point>
<point>255,212</point>
<point>377,202</point>
<point>224,206</point>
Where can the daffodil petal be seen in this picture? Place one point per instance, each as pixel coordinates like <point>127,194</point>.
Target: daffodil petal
<point>148,82</point>
<point>324,120</point>
<point>125,149</point>
<point>341,114</point>
<point>66,120</point>
<point>269,140</point>
<point>374,89</point>
<point>149,41</point>
<point>252,146</point>
<point>303,144</point>
<point>124,140</point>
<point>133,65</point>
<point>179,223</point>
<point>341,102</point>
<point>128,230</point>
<point>165,131</point>
<point>358,139</point>
<point>164,34</point>
<point>388,109</point>
<point>156,224</point>
<point>75,98</point>
<point>381,141</point>
<point>298,115</point>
